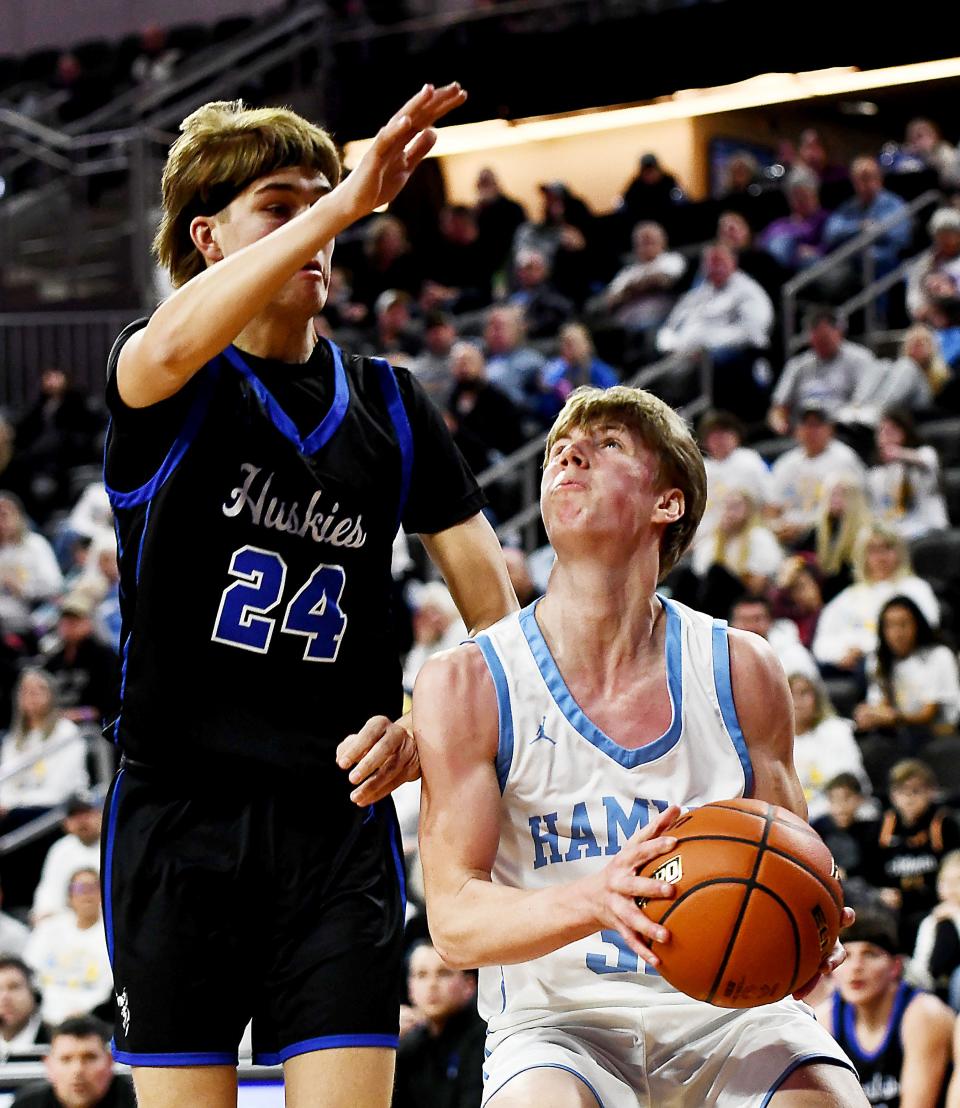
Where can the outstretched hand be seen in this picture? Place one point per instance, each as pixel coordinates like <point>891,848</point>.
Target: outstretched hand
<point>400,147</point>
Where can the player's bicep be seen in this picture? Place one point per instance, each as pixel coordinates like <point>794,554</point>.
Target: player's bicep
<point>927,1039</point>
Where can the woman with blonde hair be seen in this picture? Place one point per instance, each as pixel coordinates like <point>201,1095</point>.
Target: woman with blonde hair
<point>904,486</point>
<point>847,630</point>
<point>843,514</point>
<point>920,347</point>
<point>29,572</point>
<point>742,547</point>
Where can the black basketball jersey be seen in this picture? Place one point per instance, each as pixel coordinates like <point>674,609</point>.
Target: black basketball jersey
<point>879,1070</point>
<point>256,512</point>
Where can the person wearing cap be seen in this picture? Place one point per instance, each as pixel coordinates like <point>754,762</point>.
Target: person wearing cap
<point>652,195</point>
<point>457,269</point>
<point>545,310</point>
<point>942,258</point>
<point>393,334</point>
<point>79,847</point>
<point>85,670</point>
<point>830,373</point>
<point>562,235</point>
<point>431,367</point>
<point>899,1038</point>
<point>799,477</point>
<point>498,217</point>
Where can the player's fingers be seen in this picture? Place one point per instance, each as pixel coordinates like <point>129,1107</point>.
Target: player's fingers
<point>848,918</point>
<point>442,101</point>
<point>353,747</point>
<point>628,915</point>
<point>657,826</point>
<point>643,851</point>
<point>644,888</point>
<point>385,748</point>
<point>835,958</point>
<point>420,148</point>
<point>384,781</point>
<point>639,948</point>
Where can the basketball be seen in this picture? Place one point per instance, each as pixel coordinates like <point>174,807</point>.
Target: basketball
<point>757,907</point>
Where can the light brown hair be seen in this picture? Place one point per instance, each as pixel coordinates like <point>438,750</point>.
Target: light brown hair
<point>679,461</point>
<point>222,148</point>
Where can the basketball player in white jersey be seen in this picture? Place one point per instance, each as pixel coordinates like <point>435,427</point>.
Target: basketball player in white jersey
<point>557,750</point>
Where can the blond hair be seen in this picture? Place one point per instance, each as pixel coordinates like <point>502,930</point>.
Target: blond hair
<point>19,728</point>
<point>662,431</point>
<point>732,551</point>
<point>835,545</point>
<point>889,537</point>
<point>222,148</point>
<point>824,708</point>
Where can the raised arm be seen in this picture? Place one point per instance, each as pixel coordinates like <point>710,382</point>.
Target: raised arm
<point>204,316</point>
<point>473,921</point>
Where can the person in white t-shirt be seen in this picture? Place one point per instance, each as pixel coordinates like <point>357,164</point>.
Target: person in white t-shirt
<point>913,682</point>
<point>730,466</point>
<point>847,629</point>
<point>753,613</point>
<point>79,847</point>
<point>824,745</point>
<point>904,486</point>
<point>68,953</point>
<point>29,572</point>
<point>13,934</point>
<point>741,545</point>
<point>800,476</point>
<point>640,295</point>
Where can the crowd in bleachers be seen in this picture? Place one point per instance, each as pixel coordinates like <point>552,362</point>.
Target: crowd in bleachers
<point>826,528</point>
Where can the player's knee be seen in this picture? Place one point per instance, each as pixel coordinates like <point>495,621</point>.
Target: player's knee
<point>543,1086</point>
<point>820,1085</point>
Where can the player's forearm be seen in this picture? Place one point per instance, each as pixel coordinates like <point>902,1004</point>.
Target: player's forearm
<point>204,316</point>
<point>483,924</point>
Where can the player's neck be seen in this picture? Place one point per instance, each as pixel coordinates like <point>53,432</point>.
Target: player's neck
<point>275,337</point>
<point>874,1015</point>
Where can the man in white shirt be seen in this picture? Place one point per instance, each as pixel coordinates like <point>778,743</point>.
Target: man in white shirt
<point>799,476</point>
<point>832,373</point>
<point>13,934</point>
<point>79,847</point>
<point>730,466</point>
<point>639,295</point>
<point>752,613</point>
<point>22,1029</point>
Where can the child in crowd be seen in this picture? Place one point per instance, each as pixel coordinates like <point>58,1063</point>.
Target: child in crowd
<point>936,957</point>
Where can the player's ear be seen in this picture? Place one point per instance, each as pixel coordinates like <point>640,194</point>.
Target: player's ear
<point>670,506</point>
<point>203,233</point>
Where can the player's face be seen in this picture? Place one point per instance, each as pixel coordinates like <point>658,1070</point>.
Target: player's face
<point>436,990</point>
<point>600,481</point>
<point>79,1070</point>
<point>867,974</point>
<point>264,207</point>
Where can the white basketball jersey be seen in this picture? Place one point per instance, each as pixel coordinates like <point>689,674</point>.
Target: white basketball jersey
<point>571,797</point>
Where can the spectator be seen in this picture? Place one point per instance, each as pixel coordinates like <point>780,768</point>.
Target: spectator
<point>432,366</point>
<point>13,936</point>
<point>904,485</point>
<point>85,671</point>
<point>755,614</point>
<point>733,230</point>
<point>577,364</point>
<point>341,311</point>
<point>800,475</point>
<point>824,745</point>
<point>440,1062</point>
<point>498,218</point>
<point>653,195</point>
<point>91,513</point>
<point>796,240</point>
<point>812,155</point>
<point>641,295</point>
<point>923,148</point>
<point>942,259</point>
<point>730,466</point>
<point>512,366</point>
<point>22,1029</point>
<point>847,631</point>
<point>851,839</point>
<point>898,1037</point>
<point>68,953</point>
<point>914,689</point>
<point>37,725</point>
<point>871,204</point>
<point>798,596</point>
<point>915,835</point>
<point>485,421</point>
<point>436,626</point>
<point>387,262</point>
<point>79,848</point>
<point>843,515</point>
<point>729,317</point>
<point>920,345</point>
<point>458,270</point>
<point>29,572</point>
<point>394,335</point>
<point>544,309</point>
<point>79,1071</point>
<point>563,237</point>
<point>829,373</point>
<point>157,60</point>
<point>742,547</point>
<point>936,956</point>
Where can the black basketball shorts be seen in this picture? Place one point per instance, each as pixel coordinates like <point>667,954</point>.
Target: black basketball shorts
<point>224,905</point>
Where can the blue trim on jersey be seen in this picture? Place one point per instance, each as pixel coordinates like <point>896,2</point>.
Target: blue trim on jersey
<point>723,684</point>
<point>503,990</point>
<point>905,993</point>
<point>323,432</point>
<point>550,1066</point>
<point>505,739</point>
<point>804,1060</point>
<point>575,716</point>
<point>108,864</point>
<point>125,650</point>
<point>191,426</point>
<point>401,425</point>
<point>204,1058</point>
<point>325,1042</point>
<point>397,855</point>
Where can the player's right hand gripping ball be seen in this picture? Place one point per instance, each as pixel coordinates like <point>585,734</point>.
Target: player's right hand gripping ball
<point>757,907</point>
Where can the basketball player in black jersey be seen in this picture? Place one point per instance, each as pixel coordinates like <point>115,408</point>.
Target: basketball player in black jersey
<point>258,478</point>
<point>899,1038</point>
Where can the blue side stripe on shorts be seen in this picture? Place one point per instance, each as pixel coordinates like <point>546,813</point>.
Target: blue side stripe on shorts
<point>796,1064</point>
<point>556,1066</point>
<point>326,1042</point>
<point>203,1058</point>
<point>108,865</point>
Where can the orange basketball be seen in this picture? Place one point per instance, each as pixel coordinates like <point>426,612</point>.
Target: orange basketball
<point>757,906</point>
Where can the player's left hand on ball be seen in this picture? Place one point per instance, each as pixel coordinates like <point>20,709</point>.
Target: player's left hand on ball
<point>380,756</point>
<point>835,958</point>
